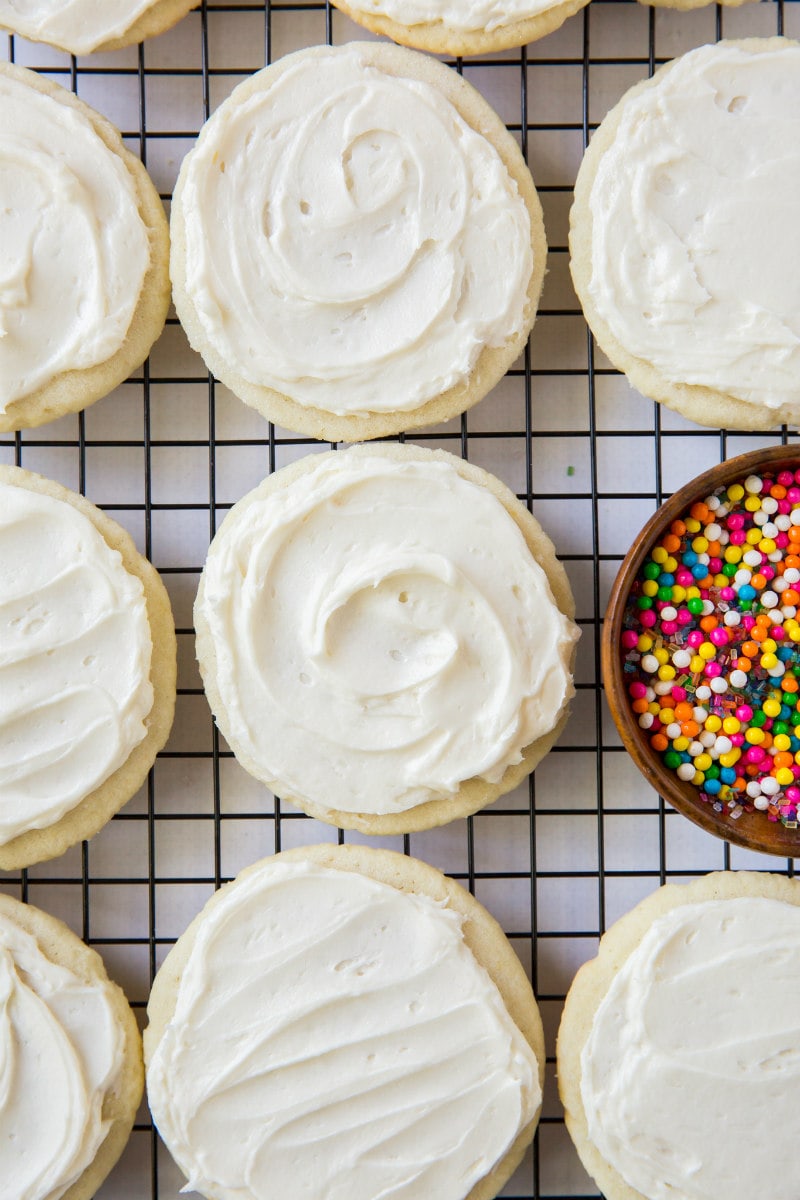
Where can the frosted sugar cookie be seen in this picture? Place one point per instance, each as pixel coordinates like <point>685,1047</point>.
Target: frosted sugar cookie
<point>84,250</point>
<point>72,1061</point>
<point>358,247</point>
<point>684,236</point>
<point>344,1021</point>
<point>385,639</point>
<point>680,1040</point>
<point>82,26</point>
<point>461,26</point>
<point>87,668</point>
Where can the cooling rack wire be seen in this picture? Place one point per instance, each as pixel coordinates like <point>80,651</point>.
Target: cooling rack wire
<point>170,450</point>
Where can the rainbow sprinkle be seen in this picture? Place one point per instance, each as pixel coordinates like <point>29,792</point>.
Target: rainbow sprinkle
<point>711,647</point>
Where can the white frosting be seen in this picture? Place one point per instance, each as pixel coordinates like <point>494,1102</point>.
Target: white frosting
<point>695,236</point>
<point>79,26</point>
<point>73,248</point>
<point>694,1050</point>
<point>61,1050</point>
<point>468,16</point>
<point>343,233</point>
<point>382,633</point>
<point>334,1037</point>
<point>75,652</point>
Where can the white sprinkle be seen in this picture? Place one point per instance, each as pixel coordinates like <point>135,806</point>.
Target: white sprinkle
<point>681,659</point>
<point>700,714</point>
<point>769,504</point>
<point>738,679</point>
<point>753,484</point>
<point>768,599</point>
<point>732,617</point>
<point>719,684</point>
<point>650,663</point>
<point>669,613</point>
<point>753,788</point>
<point>703,692</point>
<point>723,745</point>
<point>761,803</point>
<point>770,786</point>
<point>673,730</point>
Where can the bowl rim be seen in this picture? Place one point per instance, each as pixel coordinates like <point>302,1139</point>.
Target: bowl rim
<point>751,830</point>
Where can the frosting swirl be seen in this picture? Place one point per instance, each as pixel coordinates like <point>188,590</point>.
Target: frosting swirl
<point>343,230</point>
<point>469,16</point>
<point>382,633</point>
<point>75,653</point>
<point>694,229</point>
<point>694,1048</point>
<point>74,250</point>
<point>327,1019</point>
<point>61,1050</point>
<point>79,26</point>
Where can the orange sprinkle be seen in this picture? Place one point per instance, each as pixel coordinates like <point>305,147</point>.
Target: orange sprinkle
<point>791,595</point>
<point>708,623</point>
<point>758,582</point>
<point>671,543</point>
<point>659,742</point>
<point>640,706</point>
<point>683,711</point>
<point>690,729</point>
<point>744,664</point>
<point>789,683</point>
<point>749,650</point>
<point>778,491</point>
<point>783,759</point>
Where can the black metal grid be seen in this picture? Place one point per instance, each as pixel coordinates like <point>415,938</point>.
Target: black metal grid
<point>583,840</point>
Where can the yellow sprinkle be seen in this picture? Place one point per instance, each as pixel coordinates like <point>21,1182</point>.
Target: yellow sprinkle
<point>644,643</point>
<point>766,545</point>
<point>682,743</point>
<point>707,650</point>
<point>753,536</point>
<point>735,491</point>
<point>661,654</point>
<point>781,741</point>
<point>667,671</point>
<point>650,587</point>
<point>703,762</point>
<point>754,736</point>
<point>784,776</point>
<point>700,545</point>
<point>697,664</point>
<point>731,758</point>
<point>731,725</point>
<point>771,707</point>
<point>659,555</point>
<point>713,723</point>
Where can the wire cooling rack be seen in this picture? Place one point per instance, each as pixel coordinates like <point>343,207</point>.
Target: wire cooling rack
<point>170,450</point>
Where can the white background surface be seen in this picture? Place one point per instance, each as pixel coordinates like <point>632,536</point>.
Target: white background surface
<point>168,451</point>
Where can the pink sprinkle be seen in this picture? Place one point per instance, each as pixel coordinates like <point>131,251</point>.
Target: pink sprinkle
<point>785,505</point>
<point>695,638</point>
<point>767,571</point>
<point>727,593</point>
<point>735,521</point>
<point>713,670</point>
<point>630,639</point>
<point>719,636</point>
<point>748,620</point>
<point>684,616</point>
<point>793,495</point>
<point>648,618</point>
<point>669,627</point>
<point>797,476</point>
<point>683,577</point>
<point>777,632</point>
<point>638,691</point>
<point>737,739</point>
<point>714,566</point>
<point>785,478</point>
<point>792,794</point>
<point>782,541</point>
<point>744,712</point>
<point>738,537</point>
<point>754,754</point>
<point>678,694</point>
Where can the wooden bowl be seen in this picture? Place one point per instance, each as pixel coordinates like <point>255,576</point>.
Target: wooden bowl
<point>752,830</point>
